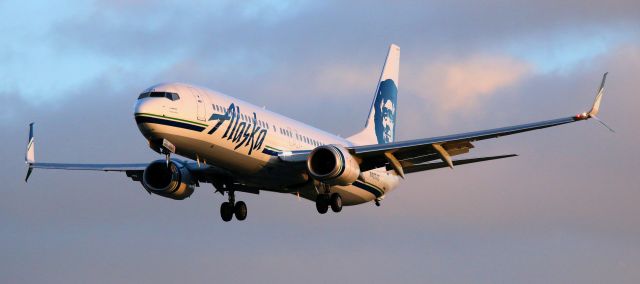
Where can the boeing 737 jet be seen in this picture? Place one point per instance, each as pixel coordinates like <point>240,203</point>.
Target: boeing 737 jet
<point>239,147</point>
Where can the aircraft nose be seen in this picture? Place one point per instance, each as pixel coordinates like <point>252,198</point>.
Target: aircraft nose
<point>145,111</point>
<point>145,106</point>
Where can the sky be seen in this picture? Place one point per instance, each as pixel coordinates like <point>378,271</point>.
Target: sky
<point>564,211</point>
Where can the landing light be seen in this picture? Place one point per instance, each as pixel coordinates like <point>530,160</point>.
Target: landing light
<point>583,115</point>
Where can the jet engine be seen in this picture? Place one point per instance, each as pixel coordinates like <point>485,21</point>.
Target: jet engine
<point>173,182</point>
<point>332,164</point>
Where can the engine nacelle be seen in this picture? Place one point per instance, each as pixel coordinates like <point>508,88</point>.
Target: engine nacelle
<point>332,164</point>
<point>173,182</point>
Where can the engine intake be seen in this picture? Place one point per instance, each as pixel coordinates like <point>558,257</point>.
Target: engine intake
<point>173,182</point>
<point>332,164</point>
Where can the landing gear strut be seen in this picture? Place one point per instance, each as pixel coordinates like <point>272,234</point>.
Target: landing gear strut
<point>230,208</point>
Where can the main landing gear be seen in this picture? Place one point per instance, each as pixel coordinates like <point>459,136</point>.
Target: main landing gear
<point>326,200</point>
<point>230,208</point>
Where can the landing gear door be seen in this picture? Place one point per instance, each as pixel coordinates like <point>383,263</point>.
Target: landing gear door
<point>200,104</point>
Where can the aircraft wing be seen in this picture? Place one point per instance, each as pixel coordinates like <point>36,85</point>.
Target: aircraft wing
<point>91,167</point>
<point>416,155</point>
<point>132,170</point>
<point>409,154</point>
<point>203,173</point>
<point>443,147</point>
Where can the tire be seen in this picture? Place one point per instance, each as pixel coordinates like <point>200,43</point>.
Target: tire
<point>240,210</point>
<point>336,202</point>
<point>226,211</point>
<point>322,203</point>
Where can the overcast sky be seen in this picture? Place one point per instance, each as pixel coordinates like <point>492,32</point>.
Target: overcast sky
<point>564,211</point>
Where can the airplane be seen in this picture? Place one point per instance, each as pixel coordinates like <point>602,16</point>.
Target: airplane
<point>239,147</point>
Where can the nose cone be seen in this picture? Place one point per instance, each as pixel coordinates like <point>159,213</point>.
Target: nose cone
<point>145,111</point>
<point>146,106</point>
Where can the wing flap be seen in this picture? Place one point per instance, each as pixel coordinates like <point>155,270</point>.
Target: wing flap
<point>438,165</point>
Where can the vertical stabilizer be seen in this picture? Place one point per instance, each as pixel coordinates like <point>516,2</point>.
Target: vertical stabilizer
<point>380,126</point>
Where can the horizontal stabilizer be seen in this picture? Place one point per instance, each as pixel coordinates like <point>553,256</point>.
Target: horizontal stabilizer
<point>433,166</point>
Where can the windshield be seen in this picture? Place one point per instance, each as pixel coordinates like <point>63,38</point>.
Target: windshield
<point>168,95</point>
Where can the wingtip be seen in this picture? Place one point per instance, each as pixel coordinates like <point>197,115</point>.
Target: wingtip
<point>595,109</point>
<point>29,171</point>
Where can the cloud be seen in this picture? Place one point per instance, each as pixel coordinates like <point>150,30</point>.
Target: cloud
<point>341,79</point>
<point>461,85</point>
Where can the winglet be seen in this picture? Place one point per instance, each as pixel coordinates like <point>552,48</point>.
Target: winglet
<point>29,157</point>
<point>596,104</point>
<point>595,109</point>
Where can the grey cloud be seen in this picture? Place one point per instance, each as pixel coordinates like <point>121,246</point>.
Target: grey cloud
<point>316,28</point>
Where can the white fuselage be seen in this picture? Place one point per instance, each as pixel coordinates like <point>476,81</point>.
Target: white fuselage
<point>245,140</point>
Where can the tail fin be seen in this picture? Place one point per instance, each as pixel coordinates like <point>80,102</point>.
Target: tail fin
<point>380,127</point>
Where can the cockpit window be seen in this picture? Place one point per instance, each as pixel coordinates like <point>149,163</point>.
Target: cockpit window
<point>143,95</point>
<point>171,96</point>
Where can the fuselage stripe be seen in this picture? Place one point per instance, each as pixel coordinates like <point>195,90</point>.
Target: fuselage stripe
<point>269,152</point>
<point>171,118</point>
<point>371,189</point>
<point>156,120</point>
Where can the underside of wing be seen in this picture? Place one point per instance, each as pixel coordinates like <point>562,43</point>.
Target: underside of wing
<point>439,165</point>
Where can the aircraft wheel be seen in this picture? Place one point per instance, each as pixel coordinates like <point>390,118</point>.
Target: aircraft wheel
<point>240,210</point>
<point>322,203</point>
<point>336,202</point>
<point>226,211</point>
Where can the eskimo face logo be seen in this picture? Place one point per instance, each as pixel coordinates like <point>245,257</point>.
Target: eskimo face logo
<point>243,133</point>
<point>385,111</point>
